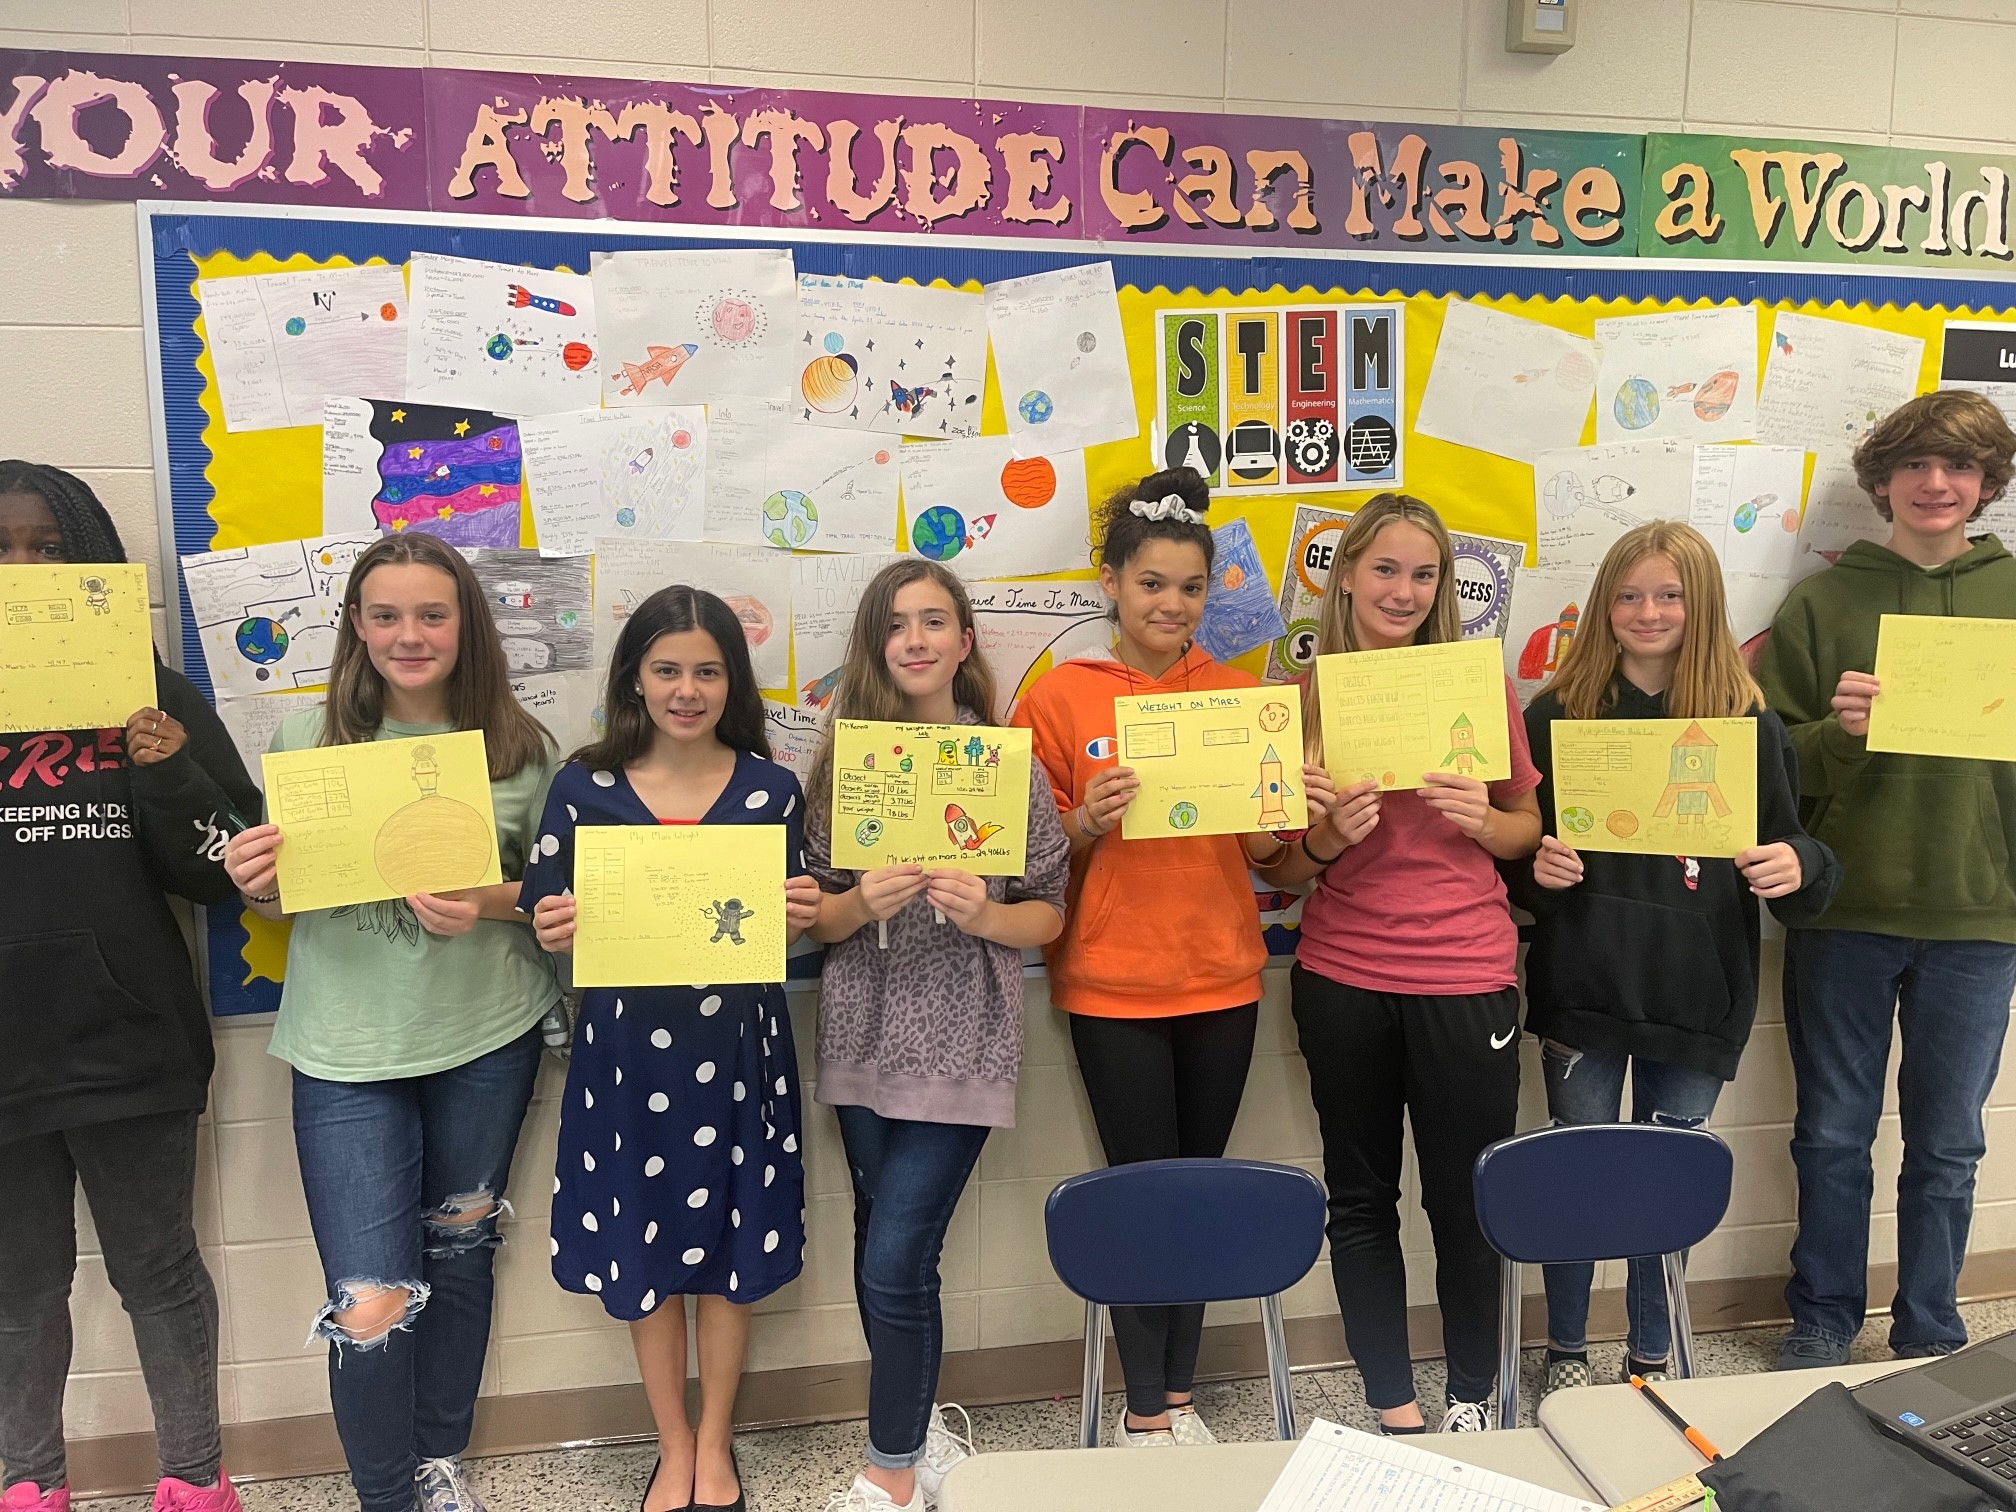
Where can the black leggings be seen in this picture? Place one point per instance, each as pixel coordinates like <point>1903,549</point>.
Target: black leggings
<point>1452,1063</point>
<point>1162,1088</point>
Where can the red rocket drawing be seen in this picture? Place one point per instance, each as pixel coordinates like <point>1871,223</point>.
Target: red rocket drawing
<point>664,363</point>
<point>966,834</point>
<point>1545,647</point>
<point>522,298</point>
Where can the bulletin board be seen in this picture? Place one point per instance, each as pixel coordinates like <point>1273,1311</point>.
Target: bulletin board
<point>222,489</point>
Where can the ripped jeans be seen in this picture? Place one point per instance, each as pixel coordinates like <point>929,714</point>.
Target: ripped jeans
<point>1587,1087</point>
<point>387,1167</point>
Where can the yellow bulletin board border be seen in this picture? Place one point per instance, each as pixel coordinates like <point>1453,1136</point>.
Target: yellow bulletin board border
<point>216,489</point>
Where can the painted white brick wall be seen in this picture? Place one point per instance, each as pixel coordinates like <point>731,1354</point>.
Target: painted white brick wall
<point>1908,72</point>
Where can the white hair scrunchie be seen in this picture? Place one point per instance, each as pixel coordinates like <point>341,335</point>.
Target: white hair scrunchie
<point>1168,507</point>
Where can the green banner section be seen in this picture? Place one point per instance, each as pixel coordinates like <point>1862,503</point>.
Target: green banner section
<point>1774,200</point>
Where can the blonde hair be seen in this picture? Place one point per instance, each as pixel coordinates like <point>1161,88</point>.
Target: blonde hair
<point>1709,679</point>
<point>1335,631</point>
<point>867,691</point>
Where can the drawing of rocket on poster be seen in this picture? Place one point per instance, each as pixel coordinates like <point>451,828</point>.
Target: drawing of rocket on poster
<point>449,471</point>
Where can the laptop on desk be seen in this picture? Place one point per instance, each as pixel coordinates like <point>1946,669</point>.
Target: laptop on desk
<point>1959,1411</point>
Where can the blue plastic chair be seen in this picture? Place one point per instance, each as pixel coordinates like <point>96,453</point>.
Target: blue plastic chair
<point>1592,1192</point>
<point>1170,1232</point>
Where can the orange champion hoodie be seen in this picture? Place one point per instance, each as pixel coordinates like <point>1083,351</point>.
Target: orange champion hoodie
<point>1152,928</point>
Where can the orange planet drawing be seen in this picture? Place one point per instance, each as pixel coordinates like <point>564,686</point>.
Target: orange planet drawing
<point>755,618</point>
<point>1712,400</point>
<point>1029,482</point>
<point>1622,823</point>
<point>1235,575</point>
<point>829,383</point>
<point>388,312</point>
<point>577,355</point>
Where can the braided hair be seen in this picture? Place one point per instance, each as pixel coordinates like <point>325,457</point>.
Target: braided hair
<point>88,532</point>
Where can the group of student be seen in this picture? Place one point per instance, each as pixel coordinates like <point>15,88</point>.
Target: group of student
<point>413,1027</point>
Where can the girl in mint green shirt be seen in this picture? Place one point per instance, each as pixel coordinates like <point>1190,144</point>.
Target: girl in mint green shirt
<point>412,1028</point>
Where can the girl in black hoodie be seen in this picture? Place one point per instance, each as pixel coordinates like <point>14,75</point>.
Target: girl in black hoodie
<point>1649,963</point>
<point>108,1054</point>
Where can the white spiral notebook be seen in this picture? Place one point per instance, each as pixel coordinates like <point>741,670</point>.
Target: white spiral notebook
<point>1338,1469</point>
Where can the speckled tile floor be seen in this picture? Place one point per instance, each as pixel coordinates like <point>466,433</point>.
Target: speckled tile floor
<point>796,1469</point>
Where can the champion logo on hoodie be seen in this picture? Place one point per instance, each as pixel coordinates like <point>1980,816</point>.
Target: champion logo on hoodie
<point>1101,746</point>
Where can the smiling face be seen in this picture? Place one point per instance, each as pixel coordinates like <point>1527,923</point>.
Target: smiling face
<point>1932,498</point>
<point>1392,585</point>
<point>29,533</point>
<point>1158,595</point>
<point>410,621</point>
<point>684,680</point>
<point>925,643</point>
<point>1649,613</point>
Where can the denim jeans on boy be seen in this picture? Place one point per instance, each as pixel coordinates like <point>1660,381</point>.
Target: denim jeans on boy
<point>385,1166</point>
<point>139,1176</point>
<point>1587,1087</point>
<point>1950,999</point>
<point>907,1180</point>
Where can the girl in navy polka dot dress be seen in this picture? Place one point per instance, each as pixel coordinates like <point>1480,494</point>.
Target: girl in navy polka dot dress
<point>679,1170</point>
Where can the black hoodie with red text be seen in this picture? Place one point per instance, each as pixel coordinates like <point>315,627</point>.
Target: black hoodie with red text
<point>100,1015</point>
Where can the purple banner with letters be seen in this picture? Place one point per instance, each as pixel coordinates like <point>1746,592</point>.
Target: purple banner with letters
<point>123,126</point>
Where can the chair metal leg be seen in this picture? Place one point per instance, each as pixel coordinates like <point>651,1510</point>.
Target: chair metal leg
<point>1509,1281</point>
<point>1675,1268</point>
<point>1095,1375</point>
<point>1277,1366</point>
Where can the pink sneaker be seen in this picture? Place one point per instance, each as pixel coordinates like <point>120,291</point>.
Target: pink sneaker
<point>26,1496</point>
<point>172,1495</point>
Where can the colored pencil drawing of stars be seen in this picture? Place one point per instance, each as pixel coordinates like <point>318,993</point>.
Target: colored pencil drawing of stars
<point>461,427</point>
<point>446,512</point>
<point>412,451</point>
<point>398,416</point>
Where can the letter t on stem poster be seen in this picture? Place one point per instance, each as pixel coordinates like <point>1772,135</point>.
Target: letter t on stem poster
<point>1223,761</point>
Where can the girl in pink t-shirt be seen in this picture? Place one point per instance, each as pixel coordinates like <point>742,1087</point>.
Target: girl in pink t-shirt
<point>1404,987</point>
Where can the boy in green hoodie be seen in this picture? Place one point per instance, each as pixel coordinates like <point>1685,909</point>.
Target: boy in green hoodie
<point>1924,926</point>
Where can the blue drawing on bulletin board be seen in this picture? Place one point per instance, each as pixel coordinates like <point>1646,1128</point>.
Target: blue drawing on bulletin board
<point>1239,608</point>
<point>451,472</point>
<point>939,533</point>
<point>790,519</point>
<point>1637,404</point>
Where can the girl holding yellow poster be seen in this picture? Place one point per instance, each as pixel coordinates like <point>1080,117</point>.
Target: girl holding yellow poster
<point>679,1170</point>
<point>1164,1036</point>
<point>1649,962</point>
<point>920,1018</point>
<point>1404,985</point>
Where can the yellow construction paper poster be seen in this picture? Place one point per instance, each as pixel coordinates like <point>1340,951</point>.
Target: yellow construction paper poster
<point>76,646</point>
<point>936,795</point>
<point>1656,787</point>
<point>678,905</point>
<point>1218,761</point>
<point>382,819</point>
<point>1949,687</point>
<point>1392,715</point>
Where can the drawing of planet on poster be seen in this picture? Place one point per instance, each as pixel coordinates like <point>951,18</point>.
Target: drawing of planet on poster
<point>446,470</point>
<point>1637,403</point>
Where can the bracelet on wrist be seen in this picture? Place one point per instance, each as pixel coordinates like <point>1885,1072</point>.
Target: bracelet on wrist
<point>1319,860</point>
<point>1085,823</point>
<point>272,897</point>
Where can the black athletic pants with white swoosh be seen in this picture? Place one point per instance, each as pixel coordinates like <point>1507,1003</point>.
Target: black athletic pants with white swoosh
<point>1451,1064</point>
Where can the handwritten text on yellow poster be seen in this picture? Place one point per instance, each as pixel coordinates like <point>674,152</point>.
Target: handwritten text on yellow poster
<point>1219,761</point>
<point>936,795</point>
<point>1656,787</point>
<point>1949,687</point>
<point>382,819</point>
<point>76,646</point>
<point>1392,716</point>
<point>678,905</point>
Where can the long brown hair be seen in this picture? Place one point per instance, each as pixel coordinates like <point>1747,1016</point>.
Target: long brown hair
<point>1335,630</point>
<point>479,689</point>
<point>867,691</point>
<point>627,728</point>
<point>1709,681</point>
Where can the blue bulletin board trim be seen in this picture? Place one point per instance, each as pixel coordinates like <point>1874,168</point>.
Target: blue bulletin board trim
<point>176,239</point>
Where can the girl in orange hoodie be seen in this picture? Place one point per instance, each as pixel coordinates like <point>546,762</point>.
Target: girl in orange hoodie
<point>1163,1035</point>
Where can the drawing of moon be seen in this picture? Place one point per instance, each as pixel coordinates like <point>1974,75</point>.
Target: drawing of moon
<point>1087,341</point>
<point>830,383</point>
<point>433,845</point>
<point>1622,823</point>
<point>755,618</point>
<point>577,355</point>
<point>1029,482</point>
<point>734,320</point>
<point>1637,404</point>
<point>1713,398</point>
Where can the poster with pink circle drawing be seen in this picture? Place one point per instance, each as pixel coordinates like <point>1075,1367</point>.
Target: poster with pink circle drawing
<point>691,327</point>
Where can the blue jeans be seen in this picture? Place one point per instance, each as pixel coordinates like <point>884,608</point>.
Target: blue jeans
<point>1587,1087</point>
<point>907,1180</point>
<point>1951,1002</point>
<point>386,1166</point>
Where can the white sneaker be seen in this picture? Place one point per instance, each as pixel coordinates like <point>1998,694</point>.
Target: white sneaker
<point>1467,1417</point>
<point>441,1486</point>
<point>942,1449</point>
<point>1146,1438</point>
<point>865,1496</point>
<point>1186,1426</point>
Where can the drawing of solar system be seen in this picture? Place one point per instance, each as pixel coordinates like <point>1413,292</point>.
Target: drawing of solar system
<point>450,472</point>
<point>1637,403</point>
<point>891,383</point>
<point>523,328</point>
